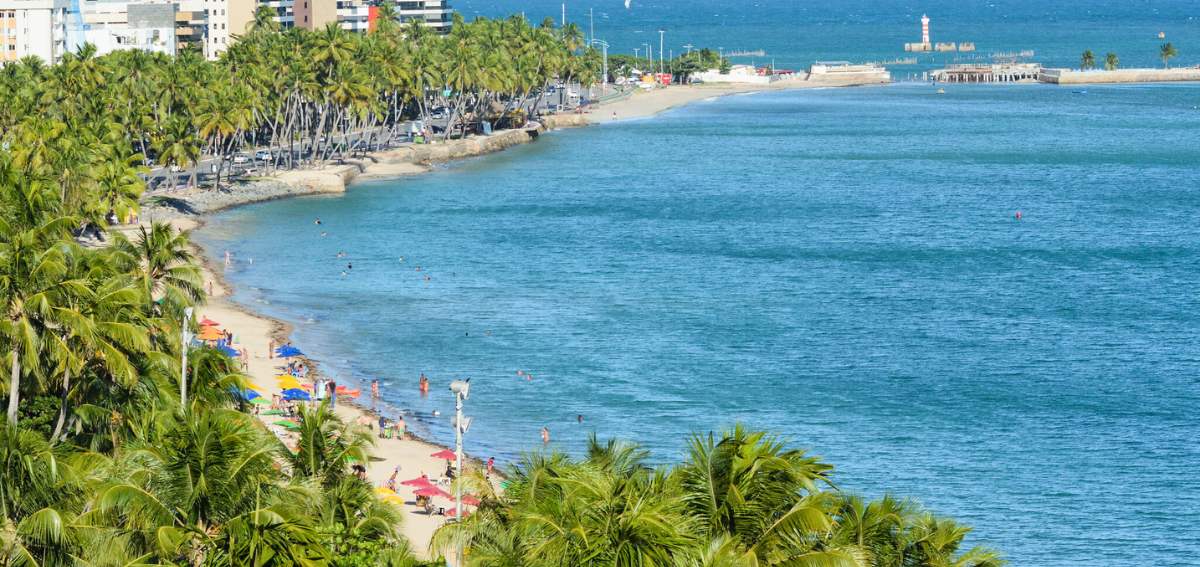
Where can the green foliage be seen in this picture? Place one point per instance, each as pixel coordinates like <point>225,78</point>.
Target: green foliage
<point>1166,52</point>
<point>1087,61</point>
<point>740,499</point>
<point>1111,61</point>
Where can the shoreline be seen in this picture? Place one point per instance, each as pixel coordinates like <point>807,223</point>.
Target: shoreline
<point>255,332</point>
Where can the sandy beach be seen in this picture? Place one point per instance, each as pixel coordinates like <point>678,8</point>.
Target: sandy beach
<point>255,334</point>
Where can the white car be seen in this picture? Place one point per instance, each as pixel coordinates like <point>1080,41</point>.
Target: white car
<point>241,158</point>
<point>262,155</point>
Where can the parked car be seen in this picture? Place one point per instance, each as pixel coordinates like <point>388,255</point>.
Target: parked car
<point>262,155</point>
<point>241,158</point>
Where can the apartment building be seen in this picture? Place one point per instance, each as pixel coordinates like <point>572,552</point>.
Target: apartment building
<point>33,27</point>
<point>359,15</point>
<point>111,25</point>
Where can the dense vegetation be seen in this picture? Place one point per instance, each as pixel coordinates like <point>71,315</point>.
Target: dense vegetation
<point>309,95</point>
<point>741,499</point>
<point>101,463</point>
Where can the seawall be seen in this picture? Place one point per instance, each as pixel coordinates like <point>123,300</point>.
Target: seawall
<point>1074,77</point>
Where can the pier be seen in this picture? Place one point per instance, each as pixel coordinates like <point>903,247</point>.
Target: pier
<point>994,73</point>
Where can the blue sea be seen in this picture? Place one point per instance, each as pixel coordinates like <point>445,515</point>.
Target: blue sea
<point>842,266</point>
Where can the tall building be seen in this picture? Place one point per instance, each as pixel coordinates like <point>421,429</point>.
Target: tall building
<point>359,15</point>
<point>111,25</point>
<point>33,27</point>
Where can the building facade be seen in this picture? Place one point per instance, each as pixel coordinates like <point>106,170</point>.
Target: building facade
<point>360,15</point>
<point>33,27</point>
<point>111,25</point>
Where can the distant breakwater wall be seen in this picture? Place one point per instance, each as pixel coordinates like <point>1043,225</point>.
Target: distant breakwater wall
<point>1073,77</point>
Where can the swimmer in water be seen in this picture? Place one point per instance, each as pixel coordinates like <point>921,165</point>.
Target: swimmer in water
<point>324,234</point>
<point>349,266</point>
<point>343,273</point>
<point>341,254</point>
<point>1018,215</point>
<point>545,435</point>
<point>418,268</point>
<point>318,221</point>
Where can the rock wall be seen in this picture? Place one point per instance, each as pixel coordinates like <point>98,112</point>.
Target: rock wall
<point>1073,77</point>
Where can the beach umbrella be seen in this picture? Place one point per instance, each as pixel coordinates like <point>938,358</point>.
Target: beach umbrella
<point>229,351</point>
<point>260,401</point>
<point>287,424</point>
<point>288,382</point>
<point>432,491</point>
<point>420,482</point>
<point>451,513</point>
<point>272,412</point>
<point>206,322</point>
<point>445,454</point>
<point>470,500</point>
<point>293,394</point>
<point>288,351</point>
<point>210,334</point>
<point>246,394</point>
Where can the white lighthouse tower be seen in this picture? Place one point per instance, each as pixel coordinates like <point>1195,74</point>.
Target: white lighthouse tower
<point>925,29</point>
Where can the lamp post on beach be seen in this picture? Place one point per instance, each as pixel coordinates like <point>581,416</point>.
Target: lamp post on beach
<point>462,390</point>
<point>183,349</point>
<point>660,50</point>
<point>604,48</point>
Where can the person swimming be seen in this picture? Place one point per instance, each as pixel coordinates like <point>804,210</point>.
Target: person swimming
<point>317,221</point>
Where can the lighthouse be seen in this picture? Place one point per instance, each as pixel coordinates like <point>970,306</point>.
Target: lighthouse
<point>924,29</point>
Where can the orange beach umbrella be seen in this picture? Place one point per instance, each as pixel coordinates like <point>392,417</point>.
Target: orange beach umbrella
<point>210,334</point>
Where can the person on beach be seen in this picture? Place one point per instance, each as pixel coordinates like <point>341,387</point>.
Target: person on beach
<point>383,426</point>
<point>491,466</point>
<point>424,384</point>
<point>332,393</point>
<point>374,391</point>
<point>545,436</point>
<point>391,481</point>
<point>228,259</point>
<point>401,427</point>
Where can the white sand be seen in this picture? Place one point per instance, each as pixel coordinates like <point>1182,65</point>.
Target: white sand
<point>255,335</point>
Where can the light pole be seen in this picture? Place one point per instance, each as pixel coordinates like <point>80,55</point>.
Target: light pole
<point>183,348</point>
<point>462,390</point>
<point>604,49</point>
<point>660,50</point>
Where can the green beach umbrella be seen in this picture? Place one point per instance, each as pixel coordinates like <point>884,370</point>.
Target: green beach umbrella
<point>272,412</point>
<point>287,424</point>
<point>260,401</point>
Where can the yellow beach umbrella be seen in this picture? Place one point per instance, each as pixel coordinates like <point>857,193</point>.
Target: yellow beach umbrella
<point>287,381</point>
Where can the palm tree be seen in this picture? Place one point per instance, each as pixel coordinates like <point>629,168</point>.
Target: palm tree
<point>1166,52</point>
<point>162,261</point>
<point>38,491</point>
<point>1087,61</point>
<point>327,446</point>
<point>1111,61</point>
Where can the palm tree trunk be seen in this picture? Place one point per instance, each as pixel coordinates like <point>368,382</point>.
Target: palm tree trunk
<point>62,406</point>
<point>14,386</point>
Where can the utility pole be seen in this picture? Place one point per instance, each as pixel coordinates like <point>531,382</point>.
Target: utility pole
<point>461,390</point>
<point>591,24</point>
<point>564,20</point>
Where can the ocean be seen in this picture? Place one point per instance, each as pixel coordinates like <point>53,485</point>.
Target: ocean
<point>842,266</point>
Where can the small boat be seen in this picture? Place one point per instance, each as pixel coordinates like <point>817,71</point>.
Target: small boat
<point>941,91</point>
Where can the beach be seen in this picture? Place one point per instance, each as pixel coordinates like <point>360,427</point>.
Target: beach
<point>255,334</point>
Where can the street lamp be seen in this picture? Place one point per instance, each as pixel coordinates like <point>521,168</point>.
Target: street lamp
<point>183,348</point>
<point>462,390</point>
<point>604,48</point>
<point>660,50</point>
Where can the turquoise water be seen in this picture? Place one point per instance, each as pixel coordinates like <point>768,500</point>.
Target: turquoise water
<point>794,33</point>
<point>841,266</point>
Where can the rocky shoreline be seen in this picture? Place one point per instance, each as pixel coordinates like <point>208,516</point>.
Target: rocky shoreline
<point>333,178</point>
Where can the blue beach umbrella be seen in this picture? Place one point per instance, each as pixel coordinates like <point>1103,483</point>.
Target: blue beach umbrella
<point>246,394</point>
<point>287,351</point>
<point>229,351</point>
<point>293,394</point>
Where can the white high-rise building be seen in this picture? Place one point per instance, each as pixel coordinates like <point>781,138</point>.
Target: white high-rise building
<point>111,25</point>
<point>33,27</point>
<point>359,15</point>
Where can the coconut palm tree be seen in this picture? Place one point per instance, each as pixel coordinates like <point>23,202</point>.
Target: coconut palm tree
<point>1087,61</point>
<point>38,494</point>
<point>1111,61</point>
<point>327,446</point>
<point>1166,52</point>
<point>161,259</point>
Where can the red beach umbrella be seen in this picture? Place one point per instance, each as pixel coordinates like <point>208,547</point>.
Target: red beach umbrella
<point>470,500</point>
<point>451,513</point>
<point>206,322</point>
<point>420,482</point>
<point>431,491</point>
<point>445,454</point>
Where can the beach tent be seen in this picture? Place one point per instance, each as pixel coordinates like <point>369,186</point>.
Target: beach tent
<point>288,351</point>
<point>292,394</point>
<point>445,454</point>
